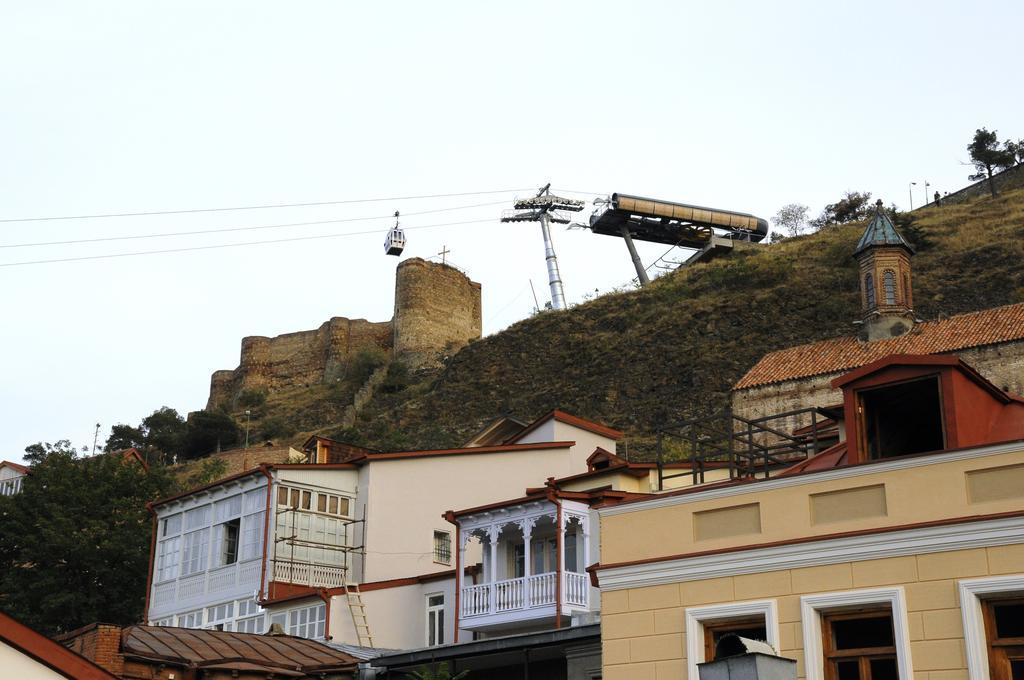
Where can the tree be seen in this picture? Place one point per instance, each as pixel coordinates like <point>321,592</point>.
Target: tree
<point>988,157</point>
<point>207,431</point>
<point>1016,150</point>
<point>440,671</point>
<point>791,217</point>
<point>74,544</point>
<point>854,206</point>
<point>125,437</point>
<point>162,432</point>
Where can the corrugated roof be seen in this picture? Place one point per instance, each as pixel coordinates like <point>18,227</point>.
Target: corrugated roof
<point>976,329</point>
<point>274,653</point>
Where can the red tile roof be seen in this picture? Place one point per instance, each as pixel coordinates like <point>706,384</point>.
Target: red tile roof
<point>976,329</point>
<point>17,467</point>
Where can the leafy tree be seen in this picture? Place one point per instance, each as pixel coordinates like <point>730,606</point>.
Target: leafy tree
<point>162,432</point>
<point>854,206</point>
<point>1016,150</point>
<point>791,217</point>
<point>988,157</point>
<point>74,544</point>
<point>209,470</point>
<point>252,398</point>
<point>125,437</point>
<point>207,431</point>
<point>276,426</point>
<point>440,671</point>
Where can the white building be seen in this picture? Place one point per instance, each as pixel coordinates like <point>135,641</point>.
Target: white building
<point>11,477</point>
<point>356,551</point>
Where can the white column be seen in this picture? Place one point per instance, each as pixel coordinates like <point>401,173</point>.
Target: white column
<point>492,536</point>
<point>527,526</point>
<point>460,569</point>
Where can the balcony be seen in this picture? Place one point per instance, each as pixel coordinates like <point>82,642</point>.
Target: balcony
<point>528,581</point>
<point>307,574</point>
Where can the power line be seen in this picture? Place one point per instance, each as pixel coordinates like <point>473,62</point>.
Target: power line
<point>232,229</point>
<point>257,207</point>
<point>230,245</point>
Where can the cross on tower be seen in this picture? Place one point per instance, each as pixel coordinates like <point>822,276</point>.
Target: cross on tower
<point>443,253</point>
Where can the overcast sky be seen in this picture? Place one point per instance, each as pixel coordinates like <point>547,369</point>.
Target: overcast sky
<point>111,107</point>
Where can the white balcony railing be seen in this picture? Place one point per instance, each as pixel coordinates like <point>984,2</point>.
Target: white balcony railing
<point>305,574</point>
<point>10,487</point>
<point>524,593</point>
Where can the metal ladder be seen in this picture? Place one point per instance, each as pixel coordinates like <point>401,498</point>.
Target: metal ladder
<point>354,597</point>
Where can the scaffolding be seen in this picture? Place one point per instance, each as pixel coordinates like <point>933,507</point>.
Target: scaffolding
<point>303,569</point>
<point>745,447</point>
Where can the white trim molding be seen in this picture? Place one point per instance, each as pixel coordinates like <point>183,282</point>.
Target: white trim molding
<point>874,546</point>
<point>697,616</point>
<point>812,607</point>
<point>975,640</point>
<point>888,465</point>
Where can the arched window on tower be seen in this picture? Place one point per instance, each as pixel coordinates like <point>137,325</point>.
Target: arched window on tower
<point>889,283</point>
<point>869,289</point>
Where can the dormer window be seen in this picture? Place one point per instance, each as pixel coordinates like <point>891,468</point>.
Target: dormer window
<point>901,419</point>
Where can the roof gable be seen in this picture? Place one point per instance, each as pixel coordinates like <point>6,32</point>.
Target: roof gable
<point>568,419</point>
<point>47,652</point>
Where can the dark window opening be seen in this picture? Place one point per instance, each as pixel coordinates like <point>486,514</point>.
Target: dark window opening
<point>902,419</point>
<point>714,631</point>
<point>860,646</point>
<point>229,554</point>
<point>1004,631</point>
<point>600,464</point>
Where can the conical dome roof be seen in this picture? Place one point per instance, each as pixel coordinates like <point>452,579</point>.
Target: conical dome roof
<point>881,232</point>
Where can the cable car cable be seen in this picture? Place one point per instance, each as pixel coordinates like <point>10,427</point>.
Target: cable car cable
<point>256,207</point>
<point>231,245</point>
<point>232,229</point>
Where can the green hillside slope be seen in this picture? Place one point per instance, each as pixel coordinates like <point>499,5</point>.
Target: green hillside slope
<point>636,359</point>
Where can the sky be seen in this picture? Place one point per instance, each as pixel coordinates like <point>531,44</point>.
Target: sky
<point>136,106</point>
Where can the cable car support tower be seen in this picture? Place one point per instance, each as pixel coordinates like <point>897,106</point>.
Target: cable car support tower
<point>546,207</point>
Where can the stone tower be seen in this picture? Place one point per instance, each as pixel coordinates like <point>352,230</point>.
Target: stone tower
<point>437,308</point>
<point>887,298</point>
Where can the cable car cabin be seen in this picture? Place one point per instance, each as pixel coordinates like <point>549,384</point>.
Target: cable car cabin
<point>394,244</point>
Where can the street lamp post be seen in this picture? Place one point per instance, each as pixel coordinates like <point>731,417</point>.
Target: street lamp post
<point>910,190</point>
<point>247,412</point>
<point>926,185</point>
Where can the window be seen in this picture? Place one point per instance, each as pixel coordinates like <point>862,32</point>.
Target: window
<point>1004,633</point>
<point>544,555</point>
<point>219,616</point>
<point>856,635</point>
<point>170,526</point>
<point>252,536</point>
<point>169,621</point>
<point>901,419</point>
<point>253,624</point>
<point>442,547</point>
<point>708,624</point>
<point>307,622</point>
<point>869,289</point>
<point>435,620</point>
<point>168,554</point>
<point>191,619</point>
<point>227,508</point>
<point>750,627</point>
<point>889,284</point>
<point>570,552</point>
<point>859,646</point>
<point>228,541</point>
<point>197,545</point>
<point>993,648</point>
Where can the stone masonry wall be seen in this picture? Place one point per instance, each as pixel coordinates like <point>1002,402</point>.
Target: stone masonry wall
<point>437,309</point>
<point>1011,178</point>
<point>1001,364</point>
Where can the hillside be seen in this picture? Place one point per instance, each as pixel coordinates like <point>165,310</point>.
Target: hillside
<point>640,358</point>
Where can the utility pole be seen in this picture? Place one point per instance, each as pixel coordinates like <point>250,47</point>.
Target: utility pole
<point>95,438</point>
<point>545,207</point>
<point>910,190</point>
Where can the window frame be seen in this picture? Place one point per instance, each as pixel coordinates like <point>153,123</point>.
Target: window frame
<point>972,592</point>
<point>715,625</point>
<point>434,614</point>
<point>438,555</point>
<point>696,617</point>
<point>860,655</point>
<point>813,608</point>
<point>999,648</point>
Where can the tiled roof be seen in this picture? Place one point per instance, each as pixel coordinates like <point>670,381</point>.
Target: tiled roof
<point>280,654</point>
<point>17,467</point>
<point>976,329</point>
<point>881,232</point>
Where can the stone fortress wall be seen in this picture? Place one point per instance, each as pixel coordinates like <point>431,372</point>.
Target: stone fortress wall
<point>437,310</point>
